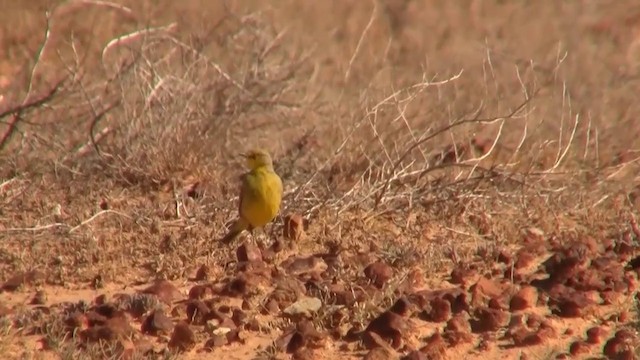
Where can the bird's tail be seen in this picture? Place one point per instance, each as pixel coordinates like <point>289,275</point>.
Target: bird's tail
<point>239,226</point>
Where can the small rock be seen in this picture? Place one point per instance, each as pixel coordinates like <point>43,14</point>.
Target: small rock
<point>199,291</point>
<point>23,279</point>
<point>293,227</point>
<point>304,354</point>
<point>487,319</point>
<point>485,289</point>
<point>401,306</point>
<point>271,307</point>
<point>290,341</point>
<point>156,322</point>
<point>299,266</point>
<point>165,291</point>
<point>505,257</point>
<point>437,310</point>
<point>525,298</point>
<point>248,252</point>
<point>379,273</point>
<point>305,306</point>
<point>523,260</point>
<point>463,275</point>
<point>198,313</point>
<point>203,273</point>
<point>221,331</point>
<point>579,348</point>
<point>380,353</point>
<point>239,317</point>
<point>253,325</point>
<point>182,338</point>
<point>112,329</point>
<point>595,335</point>
<point>455,338</point>
<point>236,335</point>
<point>576,306</point>
<point>389,325</point>
<point>534,321</point>
<point>523,337</point>
<point>415,355</point>
<point>459,323</point>
<point>435,347</point>
<point>372,340</point>
<point>40,298</point>
<point>216,341</point>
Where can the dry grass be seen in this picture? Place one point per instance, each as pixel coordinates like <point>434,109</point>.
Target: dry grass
<point>430,133</point>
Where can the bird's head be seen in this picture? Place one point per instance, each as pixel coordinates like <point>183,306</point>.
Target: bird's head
<point>257,158</point>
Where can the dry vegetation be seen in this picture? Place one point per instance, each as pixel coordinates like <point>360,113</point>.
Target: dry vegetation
<point>461,179</point>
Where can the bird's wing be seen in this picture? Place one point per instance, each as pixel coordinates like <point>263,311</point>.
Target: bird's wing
<point>244,188</point>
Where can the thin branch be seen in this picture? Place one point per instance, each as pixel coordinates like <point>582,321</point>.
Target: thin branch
<point>444,129</point>
<point>360,41</point>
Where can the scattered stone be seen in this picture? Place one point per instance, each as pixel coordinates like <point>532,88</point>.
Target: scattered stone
<point>304,306</point>
<point>487,319</point>
<point>437,310</point>
<point>183,338</point>
<point>534,321</point>
<point>113,329</point>
<point>198,313</point>
<point>272,307</point>
<point>401,306</point>
<point>389,326</point>
<point>595,335</point>
<point>484,290</point>
<point>40,298</point>
<point>248,252</point>
<point>381,353</point>
<point>305,265</point>
<point>156,322</point>
<point>523,337</point>
<point>524,259</point>
<point>459,323</point>
<point>525,298</point>
<point>216,341</point>
<point>203,273</point>
<point>293,227</point>
<point>566,263</point>
<point>463,275</point>
<point>572,305</point>
<point>455,338</point>
<point>379,273</point>
<point>435,348</point>
<point>165,291</point>
<point>304,354</point>
<point>372,340</point>
<point>199,291</point>
<point>415,355</point>
<point>239,317</point>
<point>578,348</point>
<point>26,278</point>
<point>505,257</point>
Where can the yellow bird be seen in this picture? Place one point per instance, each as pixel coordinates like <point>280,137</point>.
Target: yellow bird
<point>260,194</point>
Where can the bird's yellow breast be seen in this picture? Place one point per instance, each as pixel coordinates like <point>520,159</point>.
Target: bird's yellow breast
<point>261,196</point>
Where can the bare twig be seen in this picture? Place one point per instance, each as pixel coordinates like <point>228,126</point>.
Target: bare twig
<point>457,123</point>
<point>360,41</point>
<point>98,214</point>
<point>30,101</point>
